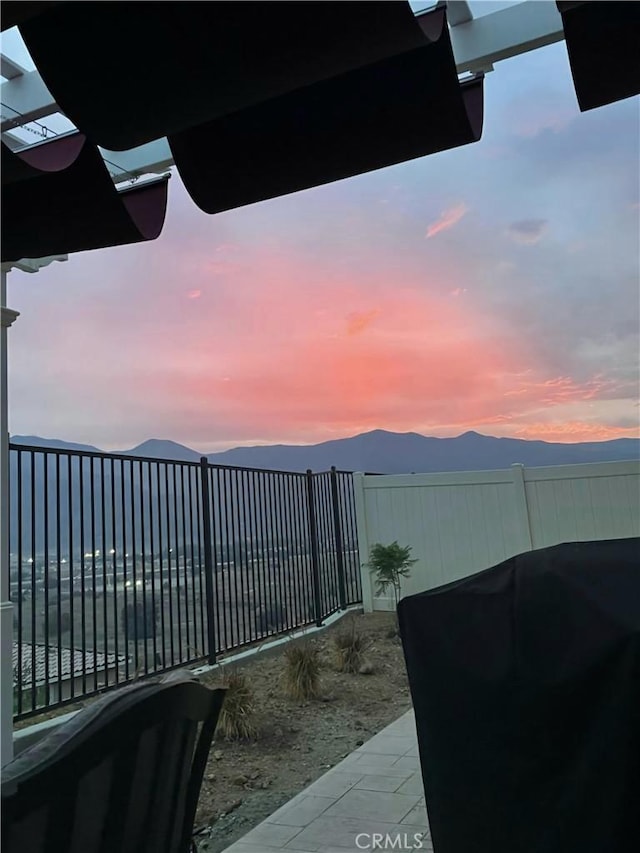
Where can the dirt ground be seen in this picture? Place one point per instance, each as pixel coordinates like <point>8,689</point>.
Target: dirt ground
<point>298,742</point>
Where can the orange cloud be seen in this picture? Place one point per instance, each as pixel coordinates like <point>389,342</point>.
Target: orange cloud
<point>447,220</point>
<point>358,321</point>
<point>287,348</point>
<point>298,370</point>
<point>573,431</point>
<point>564,389</point>
<point>280,354</point>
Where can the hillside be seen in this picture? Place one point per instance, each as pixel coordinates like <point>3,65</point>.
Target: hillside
<point>385,452</point>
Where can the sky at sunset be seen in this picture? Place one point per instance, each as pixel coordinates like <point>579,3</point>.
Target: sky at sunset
<point>492,287</point>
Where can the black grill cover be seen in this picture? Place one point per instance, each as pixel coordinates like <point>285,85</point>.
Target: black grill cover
<point>525,681</point>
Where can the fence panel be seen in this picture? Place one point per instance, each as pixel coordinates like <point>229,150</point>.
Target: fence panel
<point>460,523</point>
<point>105,572</point>
<point>122,566</point>
<point>583,502</point>
<point>351,558</point>
<point>329,559</point>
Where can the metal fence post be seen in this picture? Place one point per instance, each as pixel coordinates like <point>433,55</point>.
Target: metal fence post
<point>209,563</point>
<point>337,534</point>
<point>315,562</point>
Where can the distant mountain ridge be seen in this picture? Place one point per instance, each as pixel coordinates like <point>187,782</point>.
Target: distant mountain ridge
<point>386,452</point>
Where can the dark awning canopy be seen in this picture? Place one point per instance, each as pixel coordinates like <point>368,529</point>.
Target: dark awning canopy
<point>15,12</point>
<point>603,43</point>
<point>39,160</point>
<point>400,108</point>
<point>257,100</point>
<point>128,73</point>
<point>260,99</point>
<point>58,198</point>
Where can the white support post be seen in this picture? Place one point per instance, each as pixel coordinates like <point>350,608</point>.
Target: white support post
<point>363,541</point>
<point>521,504</point>
<point>6,608</point>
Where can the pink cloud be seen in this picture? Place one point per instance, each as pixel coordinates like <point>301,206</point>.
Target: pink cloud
<point>194,294</point>
<point>447,220</point>
<point>301,368</point>
<point>359,321</point>
<point>572,431</point>
<point>295,346</point>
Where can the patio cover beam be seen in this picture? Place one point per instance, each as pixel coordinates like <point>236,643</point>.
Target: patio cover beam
<point>25,98</point>
<point>10,69</point>
<point>458,12</point>
<point>477,44</point>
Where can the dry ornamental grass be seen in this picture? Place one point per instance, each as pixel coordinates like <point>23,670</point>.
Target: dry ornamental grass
<point>349,647</point>
<point>302,671</point>
<point>237,717</point>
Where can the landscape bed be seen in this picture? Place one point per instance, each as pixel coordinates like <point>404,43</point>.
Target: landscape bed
<point>298,741</point>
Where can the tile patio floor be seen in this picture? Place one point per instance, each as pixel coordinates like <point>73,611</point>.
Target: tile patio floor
<point>376,789</point>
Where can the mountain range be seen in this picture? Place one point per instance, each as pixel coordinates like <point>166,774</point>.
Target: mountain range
<point>385,452</point>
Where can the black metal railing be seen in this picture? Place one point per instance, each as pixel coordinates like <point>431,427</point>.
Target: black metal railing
<point>124,566</point>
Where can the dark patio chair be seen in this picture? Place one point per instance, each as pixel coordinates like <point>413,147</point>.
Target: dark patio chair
<point>122,776</point>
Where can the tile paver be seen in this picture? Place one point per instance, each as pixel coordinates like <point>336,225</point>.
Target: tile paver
<point>413,785</point>
<point>389,745</point>
<point>417,816</point>
<point>301,811</point>
<point>378,782</point>
<point>335,784</point>
<point>243,847</point>
<point>367,769</point>
<point>408,762</point>
<point>375,805</point>
<point>376,789</point>
<point>376,759</point>
<point>342,832</point>
<point>270,834</point>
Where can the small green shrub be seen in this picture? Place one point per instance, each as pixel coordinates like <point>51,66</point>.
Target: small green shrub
<point>237,717</point>
<point>389,564</point>
<point>302,670</point>
<point>349,646</point>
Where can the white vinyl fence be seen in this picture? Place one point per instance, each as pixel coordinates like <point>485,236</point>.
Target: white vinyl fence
<point>461,523</point>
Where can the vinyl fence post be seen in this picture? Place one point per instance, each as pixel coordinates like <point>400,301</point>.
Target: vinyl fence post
<point>363,540</point>
<point>209,566</point>
<point>521,504</point>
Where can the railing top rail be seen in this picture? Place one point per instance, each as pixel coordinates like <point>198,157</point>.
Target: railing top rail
<point>100,454</point>
<point>92,454</point>
<point>256,470</point>
<point>333,471</point>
